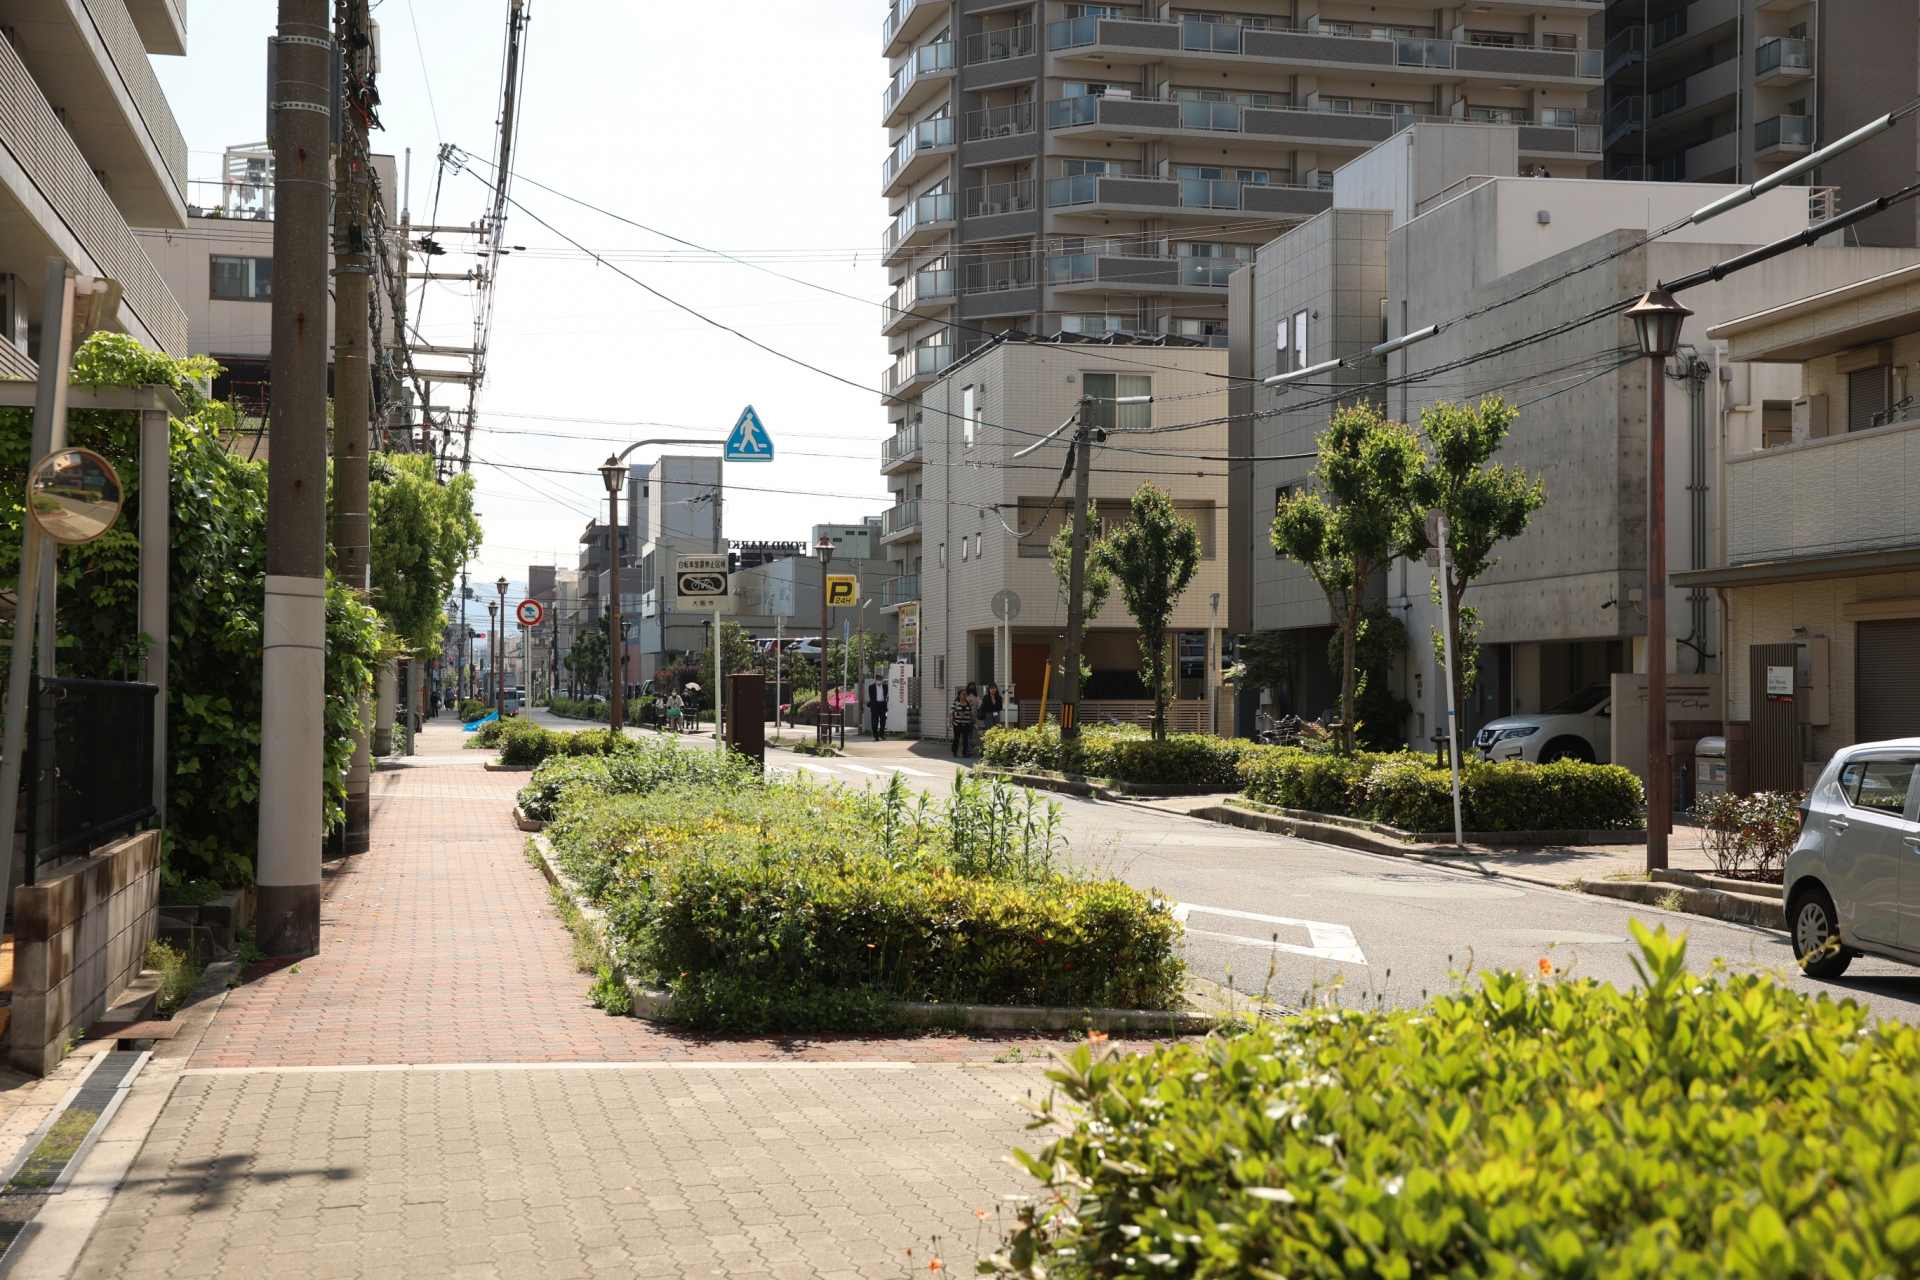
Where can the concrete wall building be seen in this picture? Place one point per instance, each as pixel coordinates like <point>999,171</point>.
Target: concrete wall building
<point>1731,90</point>
<point>219,265</point>
<point>1564,605</point>
<point>978,500</point>
<point>675,506</point>
<point>1819,564</point>
<point>88,145</point>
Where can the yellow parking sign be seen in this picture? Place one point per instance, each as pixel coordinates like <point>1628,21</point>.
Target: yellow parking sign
<point>842,590</point>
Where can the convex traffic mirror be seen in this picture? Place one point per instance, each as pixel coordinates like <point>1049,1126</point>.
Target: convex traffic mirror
<point>74,495</point>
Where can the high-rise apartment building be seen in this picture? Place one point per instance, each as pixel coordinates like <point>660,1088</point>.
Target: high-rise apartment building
<point>87,145</point>
<point>1732,90</point>
<point>1100,169</point>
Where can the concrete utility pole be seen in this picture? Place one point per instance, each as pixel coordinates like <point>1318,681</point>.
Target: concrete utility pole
<point>352,382</point>
<point>1076,574</point>
<point>613,473</point>
<point>294,633</point>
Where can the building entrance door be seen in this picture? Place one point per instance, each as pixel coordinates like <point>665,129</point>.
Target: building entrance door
<point>1029,677</point>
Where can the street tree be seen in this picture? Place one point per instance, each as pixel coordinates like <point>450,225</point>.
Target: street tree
<point>1485,503</point>
<point>1355,519</point>
<point>587,659</point>
<point>736,644</point>
<point>422,531</point>
<point>1096,582</point>
<point>1153,557</point>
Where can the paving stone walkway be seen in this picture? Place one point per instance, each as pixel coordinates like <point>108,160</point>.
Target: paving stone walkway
<point>431,1096</point>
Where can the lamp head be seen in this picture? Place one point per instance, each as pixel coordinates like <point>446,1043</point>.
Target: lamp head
<point>824,549</point>
<point>613,474</point>
<point>1657,319</point>
<point>500,585</point>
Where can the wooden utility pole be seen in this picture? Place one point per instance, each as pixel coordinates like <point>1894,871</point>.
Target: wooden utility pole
<point>293,639</point>
<point>352,376</point>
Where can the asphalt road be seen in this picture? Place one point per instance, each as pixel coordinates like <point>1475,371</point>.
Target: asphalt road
<point>1309,922</point>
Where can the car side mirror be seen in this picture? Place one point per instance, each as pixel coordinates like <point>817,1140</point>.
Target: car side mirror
<point>1606,711</point>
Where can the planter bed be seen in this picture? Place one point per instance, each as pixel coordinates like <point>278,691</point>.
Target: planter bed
<point>1100,788</point>
<point>1548,839</point>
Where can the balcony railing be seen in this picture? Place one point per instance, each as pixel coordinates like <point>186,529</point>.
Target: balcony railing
<point>929,208</point>
<point>897,14</point>
<point>1423,53</point>
<point>1667,99</point>
<point>917,288</point>
<point>997,46</point>
<point>1000,197</point>
<point>904,443</point>
<point>926,60</point>
<point>1208,272</point>
<point>903,517</point>
<point>924,136</point>
<point>1068,267</point>
<point>998,274</point>
<point>1210,193</point>
<point>1000,122</point>
<point>904,589</point>
<point>1627,44</point>
<point>1210,37</point>
<point>1822,203</point>
<point>918,362</point>
<point>1623,113</point>
<point>1067,112</point>
<point>1220,117</point>
<point>1782,54</point>
<point>1783,131</point>
<point>1668,29</point>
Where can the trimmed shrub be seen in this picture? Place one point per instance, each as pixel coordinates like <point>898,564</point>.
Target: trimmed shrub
<point>472,709</point>
<point>1408,792</point>
<point>638,768</point>
<point>523,742</point>
<point>1699,1126</point>
<point>1121,754</point>
<point>793,907</point>
<point>580,708</point>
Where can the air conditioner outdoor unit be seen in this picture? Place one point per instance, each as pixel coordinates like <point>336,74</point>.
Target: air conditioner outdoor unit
<point>1004,285</point>
<point>998,51</point>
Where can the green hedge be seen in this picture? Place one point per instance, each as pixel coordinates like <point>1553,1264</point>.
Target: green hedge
<point>523,742</point>
<point>1699,1126</point>
<point>472,709</point>
<point>1121,755</point>
<point>639,768</point>
<point>580,708</point>
<point>1408,792</point>
<point>793,907</point>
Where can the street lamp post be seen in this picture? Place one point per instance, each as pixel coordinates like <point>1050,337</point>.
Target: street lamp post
<point>825,551</point>
<point>613,473</point>
<point>1657,319</point>
<point>500,651</point>
<point>493,625</point>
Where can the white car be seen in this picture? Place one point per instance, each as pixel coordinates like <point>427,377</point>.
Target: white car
<point>1851,873</point>
<point>1578,727</point>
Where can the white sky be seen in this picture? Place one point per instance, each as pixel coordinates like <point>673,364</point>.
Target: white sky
<point>749,128</point>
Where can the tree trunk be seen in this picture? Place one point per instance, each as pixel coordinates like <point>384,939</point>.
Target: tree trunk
<point>1349,636</point>
<point>1455,593</point>
<point>1160,688</point>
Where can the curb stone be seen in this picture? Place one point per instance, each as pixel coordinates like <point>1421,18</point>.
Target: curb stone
<point>652,1003</point>
<point>522,821</point>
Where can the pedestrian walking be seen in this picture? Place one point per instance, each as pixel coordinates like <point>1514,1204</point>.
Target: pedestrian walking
<point>992,709</point>
<point>675,707</point>
<point>960,716</point>
<point>877,707</point>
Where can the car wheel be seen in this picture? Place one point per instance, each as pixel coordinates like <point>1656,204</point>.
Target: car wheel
<point>1567,749</point>
<point>1816,931</point>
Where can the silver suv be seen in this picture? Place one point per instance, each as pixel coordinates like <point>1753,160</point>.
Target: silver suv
<point>1854,874</point>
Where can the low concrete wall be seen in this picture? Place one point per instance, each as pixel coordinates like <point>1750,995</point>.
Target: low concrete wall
<point>80,936</point>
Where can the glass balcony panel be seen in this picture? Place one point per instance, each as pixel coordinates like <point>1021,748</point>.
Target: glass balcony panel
<point>997,46</point>
<point>1209,193</point>
<point>1209,272</point>
<point>1072,33</point>
<point>1066,268</point>
<point>1079,188</point>
<point>1000,122</point>
<point>1210,37</point>
<point>1067,112</point>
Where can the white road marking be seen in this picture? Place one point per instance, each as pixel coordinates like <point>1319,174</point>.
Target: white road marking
<point>860,768</point>
<point>918,773</point>
<point>1330,941</point>
<point>813,768</point>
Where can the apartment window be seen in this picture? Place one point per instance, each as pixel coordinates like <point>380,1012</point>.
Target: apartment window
<point>1217,173</point>
<point>1105,388</point>
<point>1280,496</point>
<point>1338,106</point>
<point>1091,324</point>
<point>247,278</point>
<point>1559,117</point>
<point>1776,423</point>
<point>1380,107</point>
<point>1076,168</point>
<point>1869,392</point>
<point>1299,340</point>
<point>1550,41</point>
<point>943,555</point>
<point>1205,249</point>
<point>1093,89</point>
<point>1224,95</point>
<point>969,416</point>
<point>1098,11</point>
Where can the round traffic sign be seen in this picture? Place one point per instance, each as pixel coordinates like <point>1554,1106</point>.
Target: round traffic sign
<point>1006,605</point>
<point>530,612</point>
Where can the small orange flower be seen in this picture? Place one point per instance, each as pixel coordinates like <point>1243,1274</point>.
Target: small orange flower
<point>1096,1037</point>
<point>980,1214</point>
<point>935,1265</point>
<point>1546,966</point>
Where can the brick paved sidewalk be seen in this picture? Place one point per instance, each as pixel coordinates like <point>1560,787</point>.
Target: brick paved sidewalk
<point>440,945</point>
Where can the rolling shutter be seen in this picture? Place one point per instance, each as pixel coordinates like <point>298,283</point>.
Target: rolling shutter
<point>1886,680</point>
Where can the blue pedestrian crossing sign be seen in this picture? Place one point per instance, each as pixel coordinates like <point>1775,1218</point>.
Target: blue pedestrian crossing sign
<point>749,441</point>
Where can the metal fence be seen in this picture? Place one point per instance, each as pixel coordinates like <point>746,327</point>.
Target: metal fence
<point>89,764</point>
